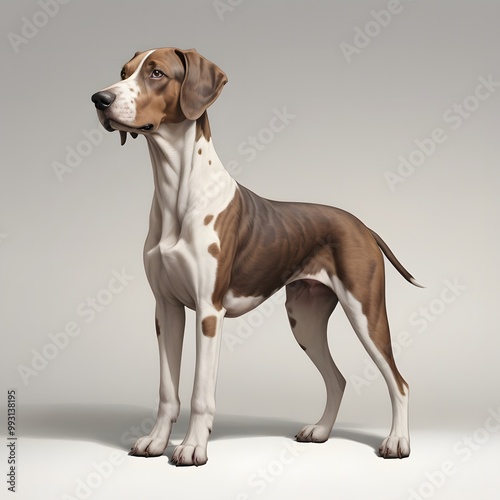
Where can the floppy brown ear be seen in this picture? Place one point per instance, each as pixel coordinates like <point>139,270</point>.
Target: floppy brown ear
<point>202,84</point>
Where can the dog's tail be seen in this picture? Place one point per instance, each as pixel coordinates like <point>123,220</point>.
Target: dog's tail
<point>394,261</point>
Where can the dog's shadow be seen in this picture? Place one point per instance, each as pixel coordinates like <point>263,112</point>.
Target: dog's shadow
<point>119,426</point>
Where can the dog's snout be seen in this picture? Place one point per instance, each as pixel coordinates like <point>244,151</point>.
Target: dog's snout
<point>103,100</point>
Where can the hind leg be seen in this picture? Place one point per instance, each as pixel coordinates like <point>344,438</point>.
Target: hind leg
<point>369,319</point>
<point>309,304</point>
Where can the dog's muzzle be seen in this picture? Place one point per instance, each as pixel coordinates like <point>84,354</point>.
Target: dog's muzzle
<point>103,101</point>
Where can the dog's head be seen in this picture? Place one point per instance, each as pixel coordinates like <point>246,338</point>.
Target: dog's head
<point>159,86</point>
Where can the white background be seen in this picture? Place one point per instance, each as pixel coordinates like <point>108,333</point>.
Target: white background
<point>354,116</point>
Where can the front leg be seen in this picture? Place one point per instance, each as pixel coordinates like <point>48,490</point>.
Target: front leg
<point>193,450</point>
<point>170,319</point>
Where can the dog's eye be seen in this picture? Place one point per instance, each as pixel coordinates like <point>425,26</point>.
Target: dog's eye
<point>122,74</point>
<point>156,73</point>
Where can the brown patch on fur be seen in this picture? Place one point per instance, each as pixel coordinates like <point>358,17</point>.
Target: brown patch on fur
<point>203,82</point>
<point>191,84</point>
<point>208,326</point>
<point>226,225</point>
<point>378,326</point>
<point>266,243</point>
<point>157,327</point>
<point>272,241</point>
<point>159,99</point>
<point>203,128</point>
<point>214,250</point>
<point>199,151</point>
<point>208,219</point>
<point>130,66</point>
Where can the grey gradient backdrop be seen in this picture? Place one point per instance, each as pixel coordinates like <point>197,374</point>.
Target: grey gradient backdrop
<point>61,240</point>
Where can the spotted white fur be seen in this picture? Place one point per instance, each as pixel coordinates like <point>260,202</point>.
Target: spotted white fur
<point>126,91</point>
<point>181,270</point>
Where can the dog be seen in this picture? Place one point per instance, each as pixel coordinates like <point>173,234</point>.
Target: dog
<point>217,248</point>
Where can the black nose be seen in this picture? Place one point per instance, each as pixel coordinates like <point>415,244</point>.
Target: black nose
<point>103,100</point>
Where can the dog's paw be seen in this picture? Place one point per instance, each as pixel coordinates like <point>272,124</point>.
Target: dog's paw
<point>395,447</point>
<point>186,454</point>
<point>149,446</point>
<point>313,434</point>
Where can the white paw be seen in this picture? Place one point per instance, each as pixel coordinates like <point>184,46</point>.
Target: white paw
<point>395,447</point>
<point>186,454</point>
<point>313,434</point>
<point>149,446</point>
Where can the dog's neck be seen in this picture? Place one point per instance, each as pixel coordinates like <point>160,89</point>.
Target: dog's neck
<point>189,177</point>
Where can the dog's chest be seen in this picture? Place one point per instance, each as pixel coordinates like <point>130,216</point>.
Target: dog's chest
<point>183,269</point>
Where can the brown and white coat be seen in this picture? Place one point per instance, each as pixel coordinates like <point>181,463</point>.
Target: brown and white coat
<point>217,248</point>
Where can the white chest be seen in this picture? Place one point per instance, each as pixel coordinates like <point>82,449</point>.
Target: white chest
<point>183,249</point>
